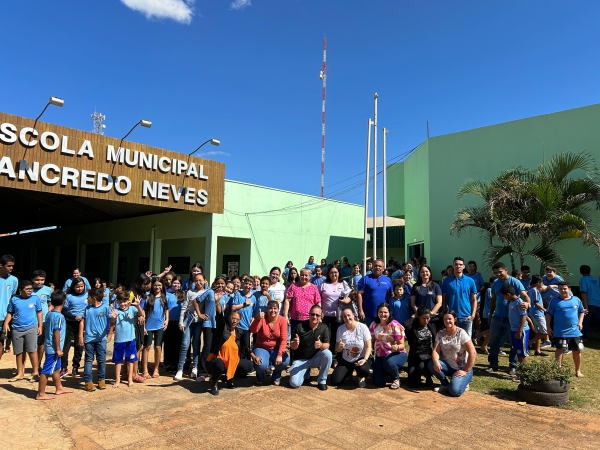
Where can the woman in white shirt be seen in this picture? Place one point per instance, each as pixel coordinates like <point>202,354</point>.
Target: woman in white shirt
<point>353,344</point>
<point>453,356</point>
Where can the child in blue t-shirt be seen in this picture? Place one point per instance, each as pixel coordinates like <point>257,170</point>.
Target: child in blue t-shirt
<point>54,338</point>
<point>93,331</point>
<point>262,297</point>
<point>400,302</point>
<point>123,327</point>
<point>43,293</point>
<point>568,313</point>
<point>25,312</point>
<point>356,276</point>
<point>243,301</point>
<point>537,315</point>
<point>519,336</point>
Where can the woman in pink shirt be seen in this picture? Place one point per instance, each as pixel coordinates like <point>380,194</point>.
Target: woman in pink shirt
<point>270,343</point>
<point>299,298</point>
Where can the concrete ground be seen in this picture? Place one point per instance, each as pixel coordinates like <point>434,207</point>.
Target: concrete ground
<point>163,414</point>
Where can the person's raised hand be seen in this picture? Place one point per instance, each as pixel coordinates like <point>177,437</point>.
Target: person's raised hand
<point>113,313</point>
<point>318,343</point>
<point>261,315</point>
<point>339,346</point>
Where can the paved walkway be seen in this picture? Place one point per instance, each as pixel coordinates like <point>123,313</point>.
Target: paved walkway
<point>163,414</point>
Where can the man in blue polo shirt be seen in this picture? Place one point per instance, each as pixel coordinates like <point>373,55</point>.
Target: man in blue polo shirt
<point>459,293</point>
<point>589,292</point>
<point>373,289</point>
<point>499,323</point>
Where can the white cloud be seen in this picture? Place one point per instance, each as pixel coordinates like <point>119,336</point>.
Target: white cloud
<point>214,153</point>
<point>179,10</point>
<point>240,4</point>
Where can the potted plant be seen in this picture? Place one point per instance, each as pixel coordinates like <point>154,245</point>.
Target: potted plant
<point>543,382</point>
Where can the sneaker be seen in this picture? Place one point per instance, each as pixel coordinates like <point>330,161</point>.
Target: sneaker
<point>568,352</point>
<point>101,384</point>
<point>64,373</point>
<point>542,355</point>
<point>546,344</point>
<point>491,369</point>
<point>441,388</point>
<point>467,389</point>
<point>75,373</point>
<point>252,373</point>
<point>512,372</point>
<point>89,387</point>
<point>362,383</point>
<point>201,379</point>
<point>179,375</point>
<point>194,373</point>
<point>502,353</point>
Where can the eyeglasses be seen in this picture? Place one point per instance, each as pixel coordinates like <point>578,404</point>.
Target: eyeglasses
<point>315,315</point>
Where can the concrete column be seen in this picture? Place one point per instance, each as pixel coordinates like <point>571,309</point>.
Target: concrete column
<point>114,261</point>
<point>157,267</point>
<point>152,242</point>
<point>211,268</point>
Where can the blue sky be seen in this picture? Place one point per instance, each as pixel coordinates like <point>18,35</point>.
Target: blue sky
<point>247,73</point>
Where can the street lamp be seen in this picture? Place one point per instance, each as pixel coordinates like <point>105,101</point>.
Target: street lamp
<point>53,101</point>
<point>213,141</point>
<point>142,122</point>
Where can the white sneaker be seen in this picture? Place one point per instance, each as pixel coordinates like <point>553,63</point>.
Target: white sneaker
<point>179,375</point>
<point>441,388</point>
<point>467,389</point>
<point>194,373</point>
<point>362,383</point>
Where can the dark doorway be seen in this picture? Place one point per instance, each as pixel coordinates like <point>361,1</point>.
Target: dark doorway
<point>416,250</point>
<point>231,265</point>
<point>180,265</point>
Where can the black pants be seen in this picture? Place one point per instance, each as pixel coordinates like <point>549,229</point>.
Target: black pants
<point>333,326</point>
<point>172,343</point>
<point>71,334</point>
<point>344,369</point>
<point>207,335</point>
<point>217,369</point>
<point>417,368</point>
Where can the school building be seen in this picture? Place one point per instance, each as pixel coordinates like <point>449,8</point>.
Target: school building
<point>422,189</point>
<point>122,211</point>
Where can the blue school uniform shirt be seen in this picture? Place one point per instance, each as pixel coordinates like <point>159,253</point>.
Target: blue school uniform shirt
<point>375,291</point>
<point>536,298</point>
<point>125,324</point>
<point>526,283</point>
<point>501,303</point>
<point>154,320</point>
<point>207,304</point>
<point>44,294</point>
<point>54,321</point>
<point>566,316</point>
<point>8,288</point>
<point>106,297</point>
<point>317,281</point>
<point>551,294</point>
<point>354,281</point>
<point>589,285</point>
<point>24,311</point>
<point>479,283</point>
<point>173,307</point>
<point>260,303</point>
<point>96,318</point>
<point>400,309</point>
<point>246,311</point>
<point>76,304</point>
<point>345,273</point>
<point>458,294</point>
<point>310,267</point>
<point>514,315</point>
<point>70,280</point>
<point>486,304</point>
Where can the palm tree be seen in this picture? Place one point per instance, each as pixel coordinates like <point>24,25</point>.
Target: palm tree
<point>528,212</point>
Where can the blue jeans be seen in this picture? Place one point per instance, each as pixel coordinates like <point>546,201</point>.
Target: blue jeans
<point>268,358</point>
<point>300,370</point>
<point>98,349</point>
<point>388,365</point>
<point>466,325</point>
<point>457,385</point>
<point>499,334</point>
<point>192,332</point>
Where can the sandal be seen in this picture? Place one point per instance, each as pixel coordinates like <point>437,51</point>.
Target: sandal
<point>13,379</point>
<point>138,379</point>
<point>35,378</point>
<point>155,375</point>
<point>395,384</point>
<point>146,376</point>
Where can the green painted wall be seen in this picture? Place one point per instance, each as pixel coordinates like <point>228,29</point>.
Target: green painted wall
<point>483,153</point>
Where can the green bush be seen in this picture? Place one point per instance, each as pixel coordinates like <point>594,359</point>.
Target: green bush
<point>534,371</point>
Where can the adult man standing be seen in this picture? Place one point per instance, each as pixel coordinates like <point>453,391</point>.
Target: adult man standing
<point>499,323</point>
<point>373,289</point>
<point>310,344</point>
<point>459,293</point>
<point>76,274</point>
<point>8,288</point>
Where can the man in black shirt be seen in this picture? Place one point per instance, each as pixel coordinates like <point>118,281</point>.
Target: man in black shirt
<point>310,341</point>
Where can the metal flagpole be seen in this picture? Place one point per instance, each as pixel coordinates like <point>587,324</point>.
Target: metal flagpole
<point>385,132</point>
<point>375,180</point>
<point>364,265</point>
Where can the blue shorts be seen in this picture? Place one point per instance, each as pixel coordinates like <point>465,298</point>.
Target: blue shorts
<point>125,351</point>
<point>520,345</point>
<point>51,364</point>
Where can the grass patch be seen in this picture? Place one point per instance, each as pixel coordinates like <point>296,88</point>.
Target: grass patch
<point>584,394</point>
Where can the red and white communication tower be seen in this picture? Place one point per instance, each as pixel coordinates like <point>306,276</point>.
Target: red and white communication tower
<point>323,76</point>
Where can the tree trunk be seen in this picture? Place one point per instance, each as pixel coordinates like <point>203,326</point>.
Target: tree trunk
<point>512,260</point>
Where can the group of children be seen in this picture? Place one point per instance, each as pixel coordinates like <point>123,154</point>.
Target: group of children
<point>46,322</point>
